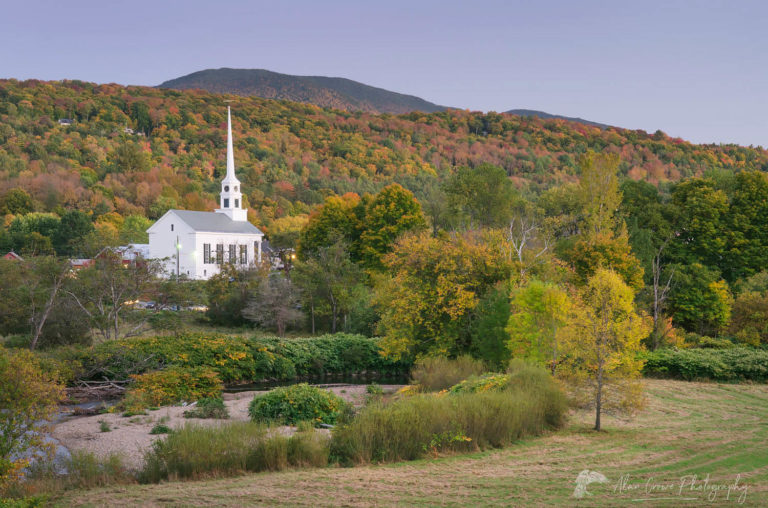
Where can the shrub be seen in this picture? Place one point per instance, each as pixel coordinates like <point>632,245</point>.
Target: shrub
<point>208,408</point>
<point>160,428</point>
<point>233,358</point>
<point>334,354</point>
<point>292,404</point>
<point>437,373</point>
<point>197,452</point>
<point>733,364</point>
<point>104,426</point>
<point>423,424</point>
<point>171,385</point>
<point>715,343</point>
<point>483,383</point>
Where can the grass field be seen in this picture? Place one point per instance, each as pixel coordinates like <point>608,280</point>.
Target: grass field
<point>687,429</point>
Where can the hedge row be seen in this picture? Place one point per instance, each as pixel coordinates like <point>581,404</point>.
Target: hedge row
<point>735,364</point>
<point>235,359</point>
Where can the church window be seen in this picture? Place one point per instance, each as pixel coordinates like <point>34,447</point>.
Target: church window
<point>226,203</point>
<point>226,188</point>
<point>207,253</point>
<point>220,253</point>
<point>237,203</point>
<point>243,255</point>
<point>232,253</point>
<point>235,188</point>
<point>171,227</point>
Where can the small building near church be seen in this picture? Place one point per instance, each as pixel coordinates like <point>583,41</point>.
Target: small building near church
<point>13,256</point>
<point>196,244</point>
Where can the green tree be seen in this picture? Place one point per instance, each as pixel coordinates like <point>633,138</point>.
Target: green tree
<point>69,238</point>
<point>140,115</point>
<point>16,202</point>
<point>700,212</point>
<point>647,219</point>
<point>489,338</point>
<point>700,300</point>
<point>390,213</point>
<point>134,229</point>
<point>480,196</point>
<point>538,312</point>
<point>336,219</point>
<point>747,226</point>
<point>328,280</point>
<point>600,349</point>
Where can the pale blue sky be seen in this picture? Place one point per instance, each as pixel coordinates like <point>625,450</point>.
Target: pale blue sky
<point>695,69</point>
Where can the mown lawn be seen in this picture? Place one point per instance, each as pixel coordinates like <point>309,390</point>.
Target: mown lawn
<point>687,429</point>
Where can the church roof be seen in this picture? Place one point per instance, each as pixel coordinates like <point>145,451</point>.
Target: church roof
<point>212,222</point>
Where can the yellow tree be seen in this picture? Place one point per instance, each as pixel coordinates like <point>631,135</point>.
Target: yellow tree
<point>432,287</point>
<point>602,343</point>
<point>28,396</point>
<point>599,191</point>
<point>539,311</point>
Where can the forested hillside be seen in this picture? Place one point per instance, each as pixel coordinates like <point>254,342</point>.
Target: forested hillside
<point>134,152</point>
<point>339,93</point>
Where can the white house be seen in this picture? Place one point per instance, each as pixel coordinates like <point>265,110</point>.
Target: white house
<point>196,244</point>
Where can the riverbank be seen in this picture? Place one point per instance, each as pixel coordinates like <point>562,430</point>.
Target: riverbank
<point>130,436</point>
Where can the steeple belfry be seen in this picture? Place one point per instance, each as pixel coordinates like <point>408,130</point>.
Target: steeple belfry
<point>231,201</point>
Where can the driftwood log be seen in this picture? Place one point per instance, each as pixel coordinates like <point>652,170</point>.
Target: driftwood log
<point>86,391</point>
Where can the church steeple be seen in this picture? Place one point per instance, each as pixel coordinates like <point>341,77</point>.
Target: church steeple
<point>231,201</point>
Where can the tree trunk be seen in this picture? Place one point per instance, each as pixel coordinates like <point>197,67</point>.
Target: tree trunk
<point>554,350</point>
<point>57,282</point>
<point>44,316</point>
<point>599,398</point>
<point>312,312</point>
<point>333,314</point>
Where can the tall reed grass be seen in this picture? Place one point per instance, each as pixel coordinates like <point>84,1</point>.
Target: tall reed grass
<point>81,470</point>
<point>437,373</point>
<point>424,424</point>
<point>200,452</point>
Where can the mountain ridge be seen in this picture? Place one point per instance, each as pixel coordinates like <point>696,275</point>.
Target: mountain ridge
<point>323,91</point>
<point>547,116</point>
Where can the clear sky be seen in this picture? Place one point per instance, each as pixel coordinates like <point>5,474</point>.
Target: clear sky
<point>694,69</point>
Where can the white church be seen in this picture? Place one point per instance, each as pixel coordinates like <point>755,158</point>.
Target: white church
<point>196,244</point>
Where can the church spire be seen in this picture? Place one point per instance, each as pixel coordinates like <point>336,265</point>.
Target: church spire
<point>231,200</point>
<point>230,178</point>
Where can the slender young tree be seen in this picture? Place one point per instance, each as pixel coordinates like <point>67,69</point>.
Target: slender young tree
<point>601,347</point>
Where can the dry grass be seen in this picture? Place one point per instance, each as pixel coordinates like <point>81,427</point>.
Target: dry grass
<point>688,428</point>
